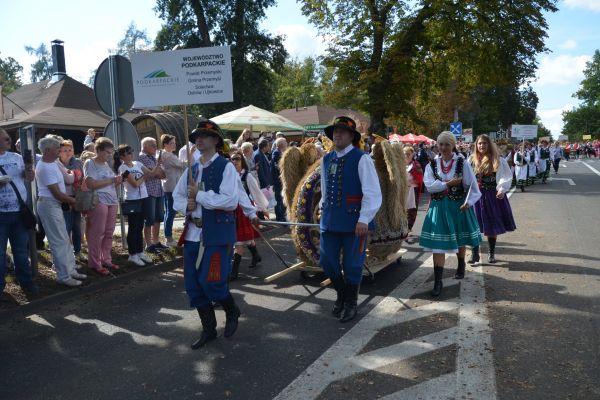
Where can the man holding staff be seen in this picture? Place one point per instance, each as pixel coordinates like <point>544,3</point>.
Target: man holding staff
<point>351,198</point>
<point>209,202</point>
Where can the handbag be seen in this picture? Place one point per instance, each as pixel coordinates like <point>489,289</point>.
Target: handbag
<point>25,213</point>
<point>85,200</point>
<point>131,207</point>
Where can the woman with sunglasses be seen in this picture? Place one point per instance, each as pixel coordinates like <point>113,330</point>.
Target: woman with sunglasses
<point>245,214</point>
<point>134,174</point>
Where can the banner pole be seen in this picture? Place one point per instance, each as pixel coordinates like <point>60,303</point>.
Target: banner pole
<point>187,144</point>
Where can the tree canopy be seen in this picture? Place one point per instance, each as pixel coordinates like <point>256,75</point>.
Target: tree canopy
<point>421,61</point>
<point>585,119</point>
<point>10,75</point>
<point>41,69</point>
<point>133,41</point>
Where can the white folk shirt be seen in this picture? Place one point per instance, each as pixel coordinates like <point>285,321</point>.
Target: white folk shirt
<point>468,179</point>
<point>226,199</point>
<point>369,181</point>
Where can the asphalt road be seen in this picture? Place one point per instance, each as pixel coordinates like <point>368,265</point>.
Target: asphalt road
<point>526,328</point>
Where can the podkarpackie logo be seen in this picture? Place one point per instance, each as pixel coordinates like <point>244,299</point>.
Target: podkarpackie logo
<point>158,77</point>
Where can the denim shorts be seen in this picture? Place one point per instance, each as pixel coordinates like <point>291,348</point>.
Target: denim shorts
<point>153,209</point>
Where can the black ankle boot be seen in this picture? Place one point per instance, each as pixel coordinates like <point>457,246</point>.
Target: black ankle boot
<point>232,313</point>
<point>438,273</point>
<point>492,251</point>
<point>255,256</point>
<point>209,326</point>
<point>475,258</point>
<point>235,270</point>
<point>338,306</point>
<point>460,270</point>
<point>350,302</point>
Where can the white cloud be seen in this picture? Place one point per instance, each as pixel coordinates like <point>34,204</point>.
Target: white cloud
<point>552,118</point>
<point>593,5</point>
<point>569,44</point>
<point>301,41</point>
<point>561,70</point>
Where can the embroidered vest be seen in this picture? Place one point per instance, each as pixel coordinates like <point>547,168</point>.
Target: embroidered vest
<point>342,197</point>
<point>545,154</point>
<point>531,157</point>
<point>218,226</point>
<point>455,192</point>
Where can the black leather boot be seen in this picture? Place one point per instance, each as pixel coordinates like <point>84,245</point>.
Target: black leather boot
<point>209,326</point>
<point>232,313</point>
<point>492,251</point>
<point>475,258</point>
<point>460,270</point>
<point>235,270</point>
<point>255,256</point>
<point>339,286</point>
<point>438,273</point>
<point>350,302</point>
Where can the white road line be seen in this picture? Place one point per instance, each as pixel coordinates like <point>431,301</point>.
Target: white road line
<point>439,388</point>
<point>569,180</point>
<point>594,170</point>
<point>475,375</point>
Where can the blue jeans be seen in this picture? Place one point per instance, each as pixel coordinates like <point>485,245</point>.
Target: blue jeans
<point>73,222</point>
<point>11,228</point>
<point>169,214</point>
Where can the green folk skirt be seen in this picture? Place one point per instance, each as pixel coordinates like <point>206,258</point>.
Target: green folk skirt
<point>446,228</point>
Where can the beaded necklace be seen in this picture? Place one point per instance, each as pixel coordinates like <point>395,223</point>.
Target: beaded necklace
<point>447,169</point>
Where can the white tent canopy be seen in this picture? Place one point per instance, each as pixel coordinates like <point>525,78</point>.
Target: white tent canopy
<point>256,119</point>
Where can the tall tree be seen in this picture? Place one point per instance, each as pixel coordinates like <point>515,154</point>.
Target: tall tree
<point>42,68</point>
<point>387,54</point>
<point>134,40</point>
<point>585,119</point>
<point>298,84</point>
<point>10,71</point>
<point>255,54</point>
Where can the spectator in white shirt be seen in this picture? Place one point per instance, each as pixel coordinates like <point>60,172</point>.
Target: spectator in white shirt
<point>51,198</point>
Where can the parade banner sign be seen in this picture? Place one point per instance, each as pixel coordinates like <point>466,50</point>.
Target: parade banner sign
<point>190,76</point>
<point>563,138</point>
<point>524,131</point>
<point>587,137</point>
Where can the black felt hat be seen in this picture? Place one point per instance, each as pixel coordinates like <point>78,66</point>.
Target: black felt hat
<point>207,127</point>
<point>345,123</point>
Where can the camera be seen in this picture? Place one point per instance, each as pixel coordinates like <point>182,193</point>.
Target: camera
<point>125,174</point>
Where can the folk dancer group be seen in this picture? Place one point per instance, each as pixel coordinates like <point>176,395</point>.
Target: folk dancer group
<point>467,198</point>
<point>533,163</point>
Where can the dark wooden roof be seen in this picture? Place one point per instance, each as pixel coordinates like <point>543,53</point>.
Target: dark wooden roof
<point>321,115</point>
<point>66,104</point>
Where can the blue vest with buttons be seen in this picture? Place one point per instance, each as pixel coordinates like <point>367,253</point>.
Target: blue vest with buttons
<point>218,226</point>
<point>343,194</point>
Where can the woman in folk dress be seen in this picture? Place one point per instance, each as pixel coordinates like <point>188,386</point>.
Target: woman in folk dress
<point>493,210</point>
<point>521,168</point>
<point>450,223</point>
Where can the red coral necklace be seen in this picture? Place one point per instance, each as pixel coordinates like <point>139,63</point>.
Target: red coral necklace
<point>447,169</point>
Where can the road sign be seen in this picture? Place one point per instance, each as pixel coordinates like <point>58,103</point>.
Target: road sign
<point>127,134</point>
<point>190,76</point>
<point>456,128</point>
<point>123,85</point>
<point>587,137</point>
<point>524,131</point>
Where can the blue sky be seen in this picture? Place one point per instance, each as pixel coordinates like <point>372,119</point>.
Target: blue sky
<point>90,28</point>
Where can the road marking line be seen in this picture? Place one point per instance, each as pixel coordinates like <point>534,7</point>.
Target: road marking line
<point>475,375</point>
<point>594,170</point>
<point>438,388</point>
<point>569,180</point>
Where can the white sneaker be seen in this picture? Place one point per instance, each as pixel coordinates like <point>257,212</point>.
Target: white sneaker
<point>145,258</point>
<point>77,275</point>
<point>136,260</point>
<point>69,282</point>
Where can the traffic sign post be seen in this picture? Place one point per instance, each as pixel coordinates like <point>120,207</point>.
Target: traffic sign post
<point>456,128</point>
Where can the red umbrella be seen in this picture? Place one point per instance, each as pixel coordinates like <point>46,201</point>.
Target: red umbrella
<point>410,138</point>
<point>395,138</point>
<point>423,138</point>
